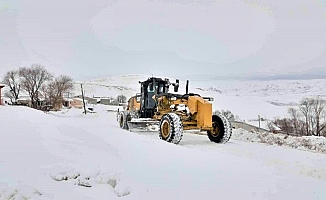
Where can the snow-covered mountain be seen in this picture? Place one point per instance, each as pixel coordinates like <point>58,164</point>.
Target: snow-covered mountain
<point>247,99</point>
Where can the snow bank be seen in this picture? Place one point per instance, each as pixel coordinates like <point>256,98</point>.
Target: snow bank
<point>46,157</point>
<point>312,143</point>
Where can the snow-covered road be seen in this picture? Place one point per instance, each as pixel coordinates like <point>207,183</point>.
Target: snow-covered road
<point>72,156</point>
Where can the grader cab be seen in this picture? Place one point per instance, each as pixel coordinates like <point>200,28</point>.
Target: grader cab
<point>173,113</point>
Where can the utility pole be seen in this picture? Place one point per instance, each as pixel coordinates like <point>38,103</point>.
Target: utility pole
<point>259,120</point>
<point>81,86</point>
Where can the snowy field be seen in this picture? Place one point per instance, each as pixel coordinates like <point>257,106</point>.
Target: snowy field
<point>247,99</point>
<point>68,155</point>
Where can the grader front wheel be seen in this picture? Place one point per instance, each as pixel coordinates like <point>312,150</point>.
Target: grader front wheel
<point>222,130</point>
<point>171,129</point>
<point>165,129</point>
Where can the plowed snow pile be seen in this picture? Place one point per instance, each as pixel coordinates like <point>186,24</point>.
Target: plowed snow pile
<point>317,144</point>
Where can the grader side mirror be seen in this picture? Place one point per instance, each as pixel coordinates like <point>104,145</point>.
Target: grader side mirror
<point>138,98</point>
<point>176,85</point>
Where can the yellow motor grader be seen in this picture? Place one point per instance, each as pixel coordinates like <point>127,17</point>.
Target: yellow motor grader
<point>172,112</point>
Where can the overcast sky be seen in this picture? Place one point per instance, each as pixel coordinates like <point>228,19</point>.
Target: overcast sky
<point>238,38</point>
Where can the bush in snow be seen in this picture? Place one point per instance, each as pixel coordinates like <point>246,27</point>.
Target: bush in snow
<point>228,114</point>
<point>313,143</point>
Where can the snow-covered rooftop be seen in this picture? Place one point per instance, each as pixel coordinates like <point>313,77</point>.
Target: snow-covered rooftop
<point>79,99</point>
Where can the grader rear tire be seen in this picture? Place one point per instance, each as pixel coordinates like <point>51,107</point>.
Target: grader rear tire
<point>171,129</point>
<point>222,130</point>
<point>123,121</point>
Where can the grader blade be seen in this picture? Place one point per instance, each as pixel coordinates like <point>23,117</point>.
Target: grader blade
<point>143,125</point>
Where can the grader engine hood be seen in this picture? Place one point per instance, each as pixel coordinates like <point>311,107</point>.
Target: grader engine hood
<point>197,106</point>
<point>203,109</point>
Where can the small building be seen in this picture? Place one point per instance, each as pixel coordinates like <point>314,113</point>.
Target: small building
<point>78,102</point>
<point>105,101</point>
<point>67,102</point>
<point>88,99</point>
<point>1,86</point>
<point>24,100</point>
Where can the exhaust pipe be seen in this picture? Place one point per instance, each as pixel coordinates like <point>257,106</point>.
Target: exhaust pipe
<point>176,85</point>
<point>187,87</point>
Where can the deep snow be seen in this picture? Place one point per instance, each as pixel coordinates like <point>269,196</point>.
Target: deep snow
<point>69,155</point>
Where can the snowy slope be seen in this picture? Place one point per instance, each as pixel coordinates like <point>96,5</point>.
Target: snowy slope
<point>111,87</point>
<point>73,156</point>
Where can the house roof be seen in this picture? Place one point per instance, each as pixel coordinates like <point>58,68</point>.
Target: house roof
<point>79,99</point>
<point>67,99</point>
<point>85,97</point>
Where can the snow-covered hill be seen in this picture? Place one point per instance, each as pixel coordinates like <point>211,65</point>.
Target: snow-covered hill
<point>247,99</point>
<point>68,155</point>
<point>111,87</point>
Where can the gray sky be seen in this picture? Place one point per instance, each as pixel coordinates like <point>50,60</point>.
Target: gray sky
<point>239,38</point>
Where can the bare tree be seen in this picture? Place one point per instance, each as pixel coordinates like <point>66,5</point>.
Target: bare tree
<point>309,119</point>
<point>323,130</point>
<point>297,124</point>
<point>10,96</point>
<point>57,88</point>
<point>285,124</point>
<point>306,109</point>
<point>294,115</point>
<point>121,98</point>
<point>12,80</point>
<point>32,80</point>
<point>318,105</point>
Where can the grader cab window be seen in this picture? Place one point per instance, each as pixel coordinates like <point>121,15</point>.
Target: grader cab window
<point>161,88</point>
<point>150,87</point>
